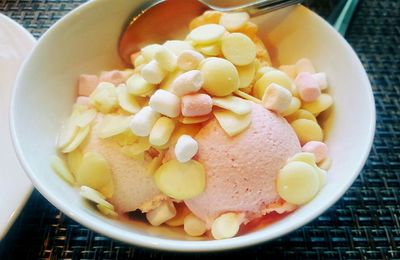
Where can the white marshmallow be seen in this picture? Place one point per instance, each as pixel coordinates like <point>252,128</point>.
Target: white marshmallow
<point>166,59</point>
<point>165,103</point>
<point>225,226</point>
<point>186,147</point>
<point>149,51</point>
<point>188,82</point>
<point>152,72</point>
<point>276,98</point>
<point>189,60</point>
<point>321,79</point>
<point>143,121</point>
<point>161,214</point>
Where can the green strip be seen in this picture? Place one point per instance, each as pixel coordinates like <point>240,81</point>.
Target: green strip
<point>343,21</point>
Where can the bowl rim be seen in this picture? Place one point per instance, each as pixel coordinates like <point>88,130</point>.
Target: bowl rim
<point>165,244</point>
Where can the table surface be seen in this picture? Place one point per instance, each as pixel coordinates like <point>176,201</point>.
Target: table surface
<point>364,224</point>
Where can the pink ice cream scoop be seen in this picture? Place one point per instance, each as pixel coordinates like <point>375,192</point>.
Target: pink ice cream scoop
<point>242,170</point>
<point>134,187</point>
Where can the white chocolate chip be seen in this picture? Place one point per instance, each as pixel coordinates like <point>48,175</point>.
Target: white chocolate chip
<point>165,103</point>
<point>188,82</point>
<point>189,60</point>
<point>225,226</point>
<point>143,121</point>
<point>161,214</point>
<point>185,148</point>
<point>152,72</point>
<point>277,98</point>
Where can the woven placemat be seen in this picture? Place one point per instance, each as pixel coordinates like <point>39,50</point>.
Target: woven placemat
<point>364,224</point>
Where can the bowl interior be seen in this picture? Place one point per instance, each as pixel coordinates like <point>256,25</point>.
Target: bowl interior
<point>85,41</point>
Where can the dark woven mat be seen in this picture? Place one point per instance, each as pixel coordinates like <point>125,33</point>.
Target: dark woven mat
<point>364,224</point>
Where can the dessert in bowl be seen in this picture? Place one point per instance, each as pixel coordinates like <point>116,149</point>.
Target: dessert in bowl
<point>258,141</point>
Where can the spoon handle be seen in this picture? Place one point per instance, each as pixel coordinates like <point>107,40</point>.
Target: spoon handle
<point>256,8</point>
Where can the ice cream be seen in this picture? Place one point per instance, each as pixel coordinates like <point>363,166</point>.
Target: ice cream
<point>133,185</point>
<point>201,133</point>
<point>242,171</point>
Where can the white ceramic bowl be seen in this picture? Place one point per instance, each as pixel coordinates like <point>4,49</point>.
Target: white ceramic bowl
<point>85,40</point>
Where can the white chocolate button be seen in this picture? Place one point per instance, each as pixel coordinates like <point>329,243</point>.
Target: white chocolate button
<point>319,149</point>
<point>181,181</point>
<point>138,86</point>
<point>181,212</point>
<point>321,104</point>
<point>274,76</point>
<point>234,21</point>
<point>232,123</point>
<point>221,77</point>
<point>112,125</point>
<point>189,60</point>
<point>238,48</point>
<point>207,34</point>
<point>225,226</point>
<point>95,196</point>
<point>295,104</point>
<point>78,139</point>
<point>127,101</point>
<point>188,82</point>
<point>94,171</point>
<point>166,103</point>
<point>152,72</point>
<point>166,59</point>
<point>194,226</point>
<point>161,131</point>
<point>277,98</point>
<point>186,147</point>
<point>307,130</point>
<point>234,104</point>
<point>61,169</point>
<point>161,214</point>
<point>301,114</point>
<point>143,121</point>
<point>210,50</point>
<point>325,164</point>
<point>247,74</point>
<point>297,183</point>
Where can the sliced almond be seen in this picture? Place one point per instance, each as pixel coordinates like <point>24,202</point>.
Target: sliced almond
<point>61,169</point>
<point>234,104</point>
<point>79,138</point>
<point>232,123</point>
<point>127,101</point>
<point>112,125</point>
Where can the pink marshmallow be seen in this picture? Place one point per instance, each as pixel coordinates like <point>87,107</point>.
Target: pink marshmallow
<point>86,84</point>
<point>115,77</point>
<point>319,149</point>
<point>307,86</point>
<point>82,100</point>
<point>196,105</point>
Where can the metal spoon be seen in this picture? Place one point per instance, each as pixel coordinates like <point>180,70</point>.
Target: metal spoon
<point>161,20</point>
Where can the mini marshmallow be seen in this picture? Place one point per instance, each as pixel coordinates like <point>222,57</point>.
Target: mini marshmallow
<point>166,59</point>
<point>189,60</point>
<point>226,226</point>
<point>321,79</point>
<point>115,77</point>
<point>186,147</point>
<point>134,56</point>
<point>305,65</point>
<point>196,105</point>
<point>161,214</point>
<point>276,98</point>
<point>290,70</point>
<point>82,100</point>
<point>149,51</point>
<point>165,103</point>
<point>87,84</point>
<point>319,149</point>
<point>152,72</point>
<point>143,121</point>
<point>307,87</point>
<point>188,82</point>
